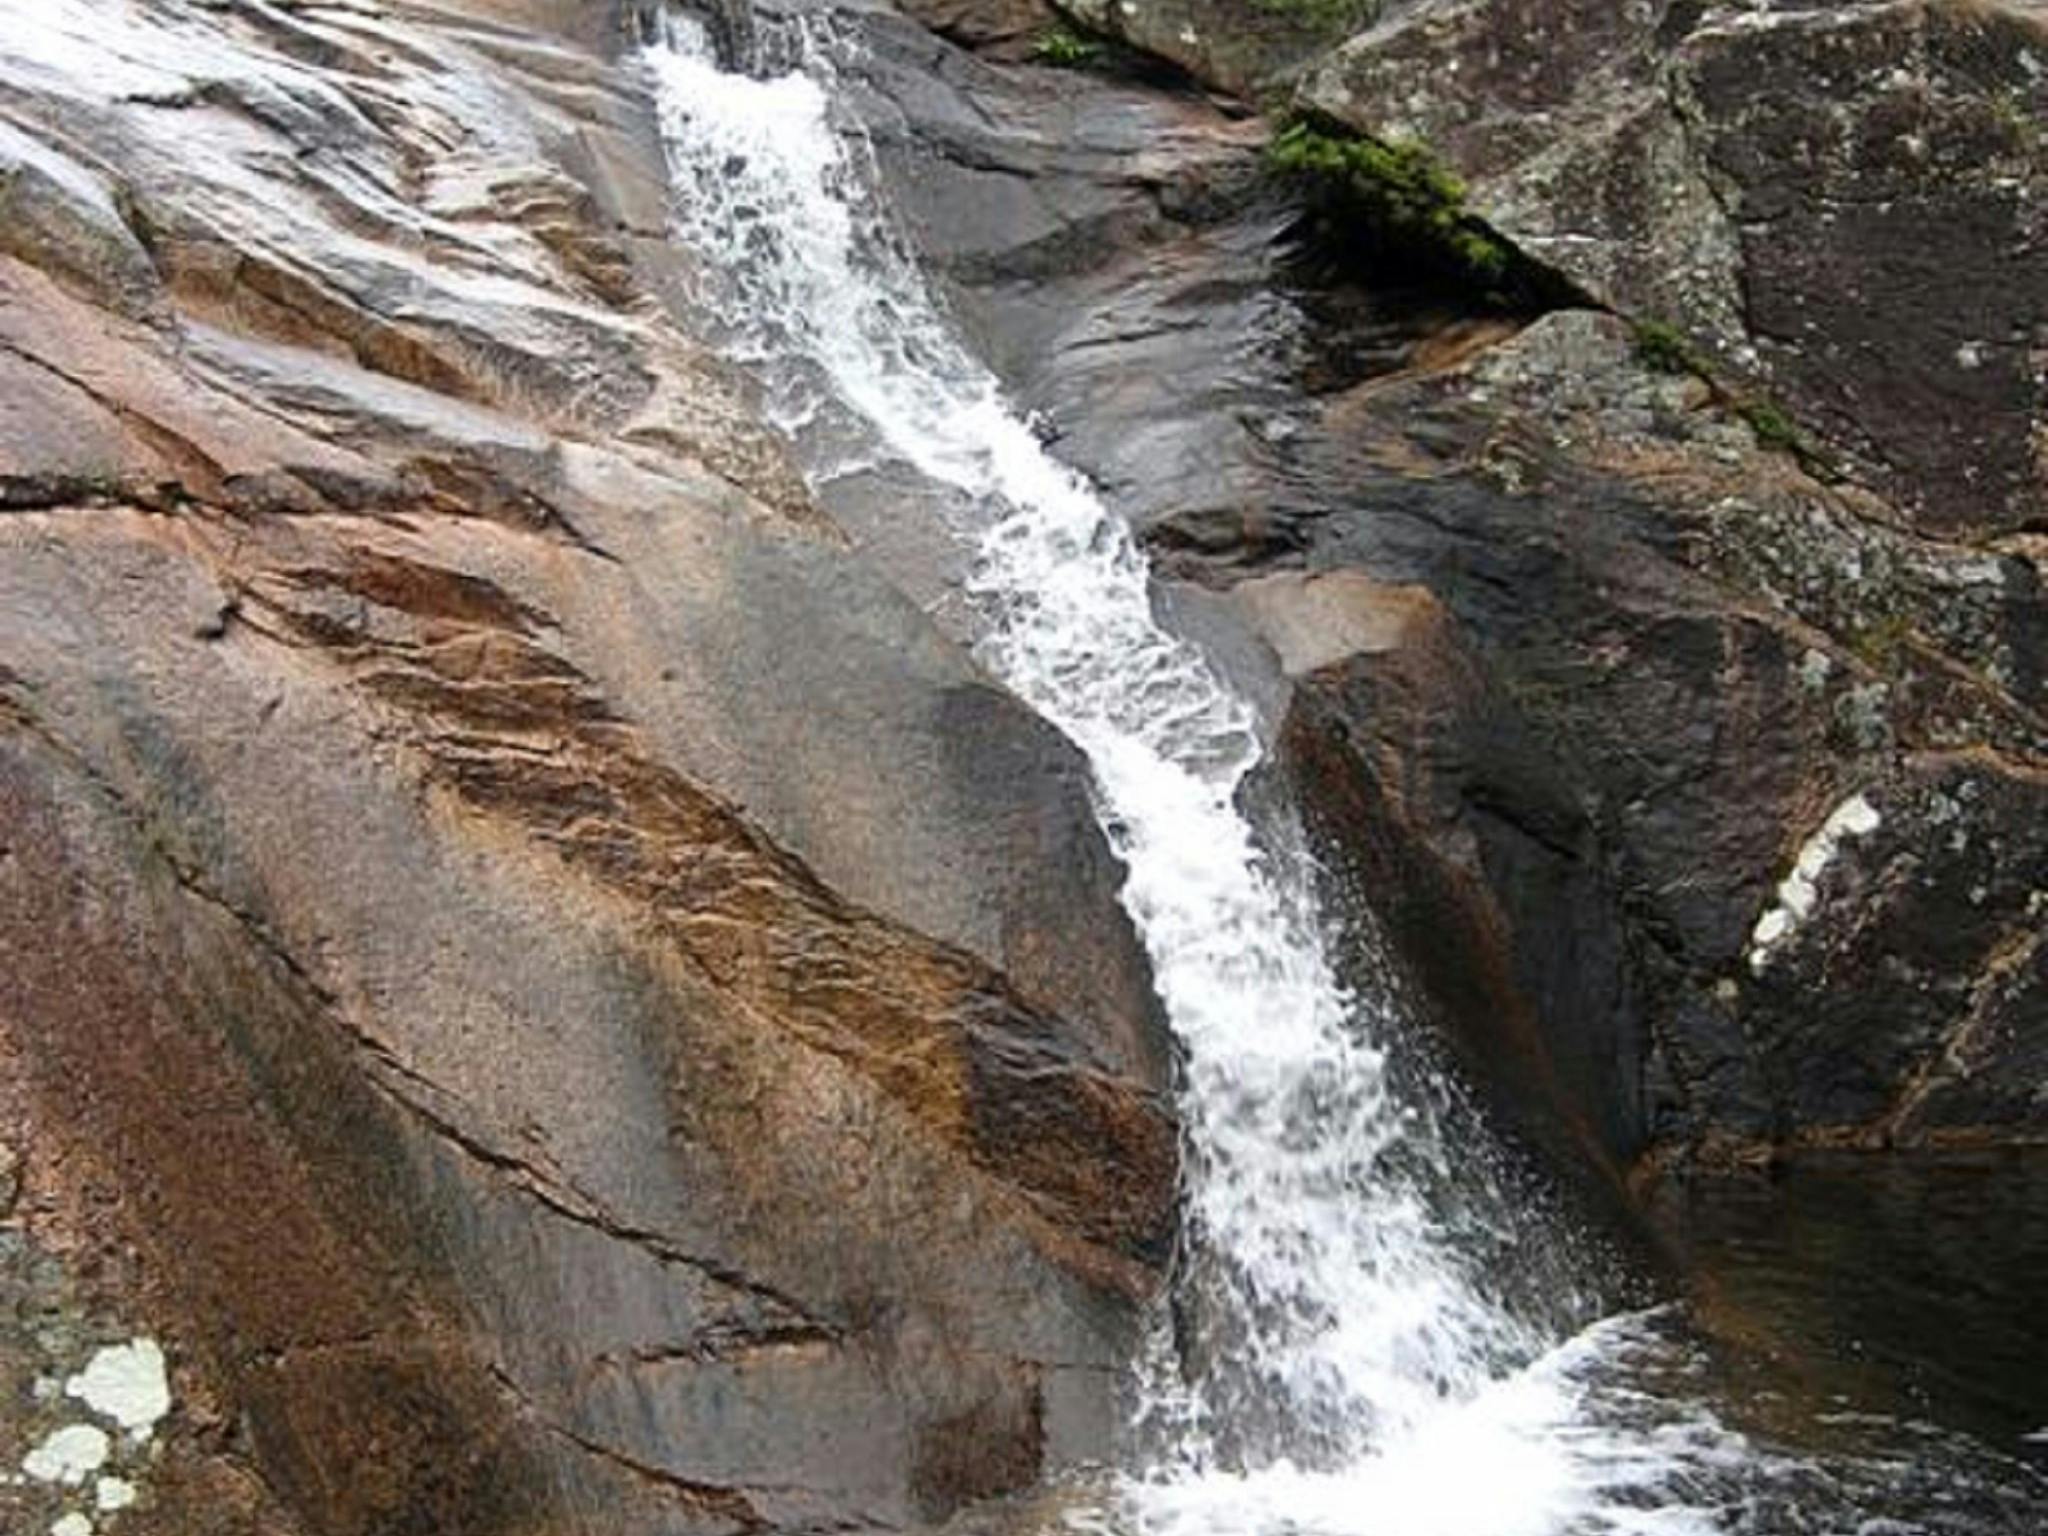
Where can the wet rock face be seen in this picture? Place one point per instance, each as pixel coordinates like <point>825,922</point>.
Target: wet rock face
<point>1653,758</point>
<point>1644,745</point>
<point>1886,176</point>
<point>525,959</point>
<point>1844,201</point>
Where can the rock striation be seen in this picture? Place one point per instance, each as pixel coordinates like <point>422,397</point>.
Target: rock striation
<point>526,960</point>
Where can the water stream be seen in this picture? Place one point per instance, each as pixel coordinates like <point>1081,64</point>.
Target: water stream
<point>1342,1361</point>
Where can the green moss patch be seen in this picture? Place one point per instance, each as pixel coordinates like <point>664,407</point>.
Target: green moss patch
<point>1665,348</point>
<point>1389,207</point>
<point>1062,47</point>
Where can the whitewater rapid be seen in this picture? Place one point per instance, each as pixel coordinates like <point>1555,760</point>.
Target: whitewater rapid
<point>1341,1366</point>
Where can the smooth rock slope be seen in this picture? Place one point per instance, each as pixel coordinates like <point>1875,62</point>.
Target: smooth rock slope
<point>525,960</point>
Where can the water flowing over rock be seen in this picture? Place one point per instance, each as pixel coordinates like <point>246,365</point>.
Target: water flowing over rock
<point>1570,661</point>
<point>1570,657</point>
<point>1345,1331</point>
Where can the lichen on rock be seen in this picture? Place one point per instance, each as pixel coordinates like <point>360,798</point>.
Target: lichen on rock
<point>1798,892</point>
<point>125,1383</point>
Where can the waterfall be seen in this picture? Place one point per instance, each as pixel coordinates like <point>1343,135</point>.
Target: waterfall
<point>1343,1330</point>
<point>1342,1364</point>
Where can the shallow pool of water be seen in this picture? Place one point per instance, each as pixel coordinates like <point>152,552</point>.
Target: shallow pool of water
<point>1910,1286</point>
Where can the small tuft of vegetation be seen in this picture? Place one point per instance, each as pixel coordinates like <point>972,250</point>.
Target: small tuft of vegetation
<point>1772,426</point>
<point>1883,641</point>
<point>1663,347</point>
<point>1399,181</point>
<point>1391,203</point>
<point>1061,47</point>
<point>2012,114</point>
<point>1775,429</point>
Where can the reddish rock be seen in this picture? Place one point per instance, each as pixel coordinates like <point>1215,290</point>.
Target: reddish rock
<point>525,958</point>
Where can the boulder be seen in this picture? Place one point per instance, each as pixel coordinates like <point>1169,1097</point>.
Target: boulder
<point>1842,202</point>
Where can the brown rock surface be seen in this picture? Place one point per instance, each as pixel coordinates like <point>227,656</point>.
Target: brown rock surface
<point>524,958</point>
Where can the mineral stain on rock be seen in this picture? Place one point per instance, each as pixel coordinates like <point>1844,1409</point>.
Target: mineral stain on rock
<point>1798,891</point>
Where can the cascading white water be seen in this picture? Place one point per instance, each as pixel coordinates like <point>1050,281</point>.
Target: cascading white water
<point>1349,1372</point>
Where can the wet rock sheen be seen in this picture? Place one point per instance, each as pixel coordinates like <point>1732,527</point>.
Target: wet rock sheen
<point>558,994</point>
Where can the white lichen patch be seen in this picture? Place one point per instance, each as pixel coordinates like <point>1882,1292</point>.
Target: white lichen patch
<point>125,1383</point>
<point>68,1455</point>
<point>112,1493</point>
<point>1799,891</point>
<point>73,1524</point>
<point>1814,669</point>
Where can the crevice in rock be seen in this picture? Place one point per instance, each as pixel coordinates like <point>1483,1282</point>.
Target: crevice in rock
<point>1949,1056</point>
<point>710,1499</point>
<point>723,1346</point>
<point>541,1185</point>
<point>571,1205</point>
<point>1384,258</point>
